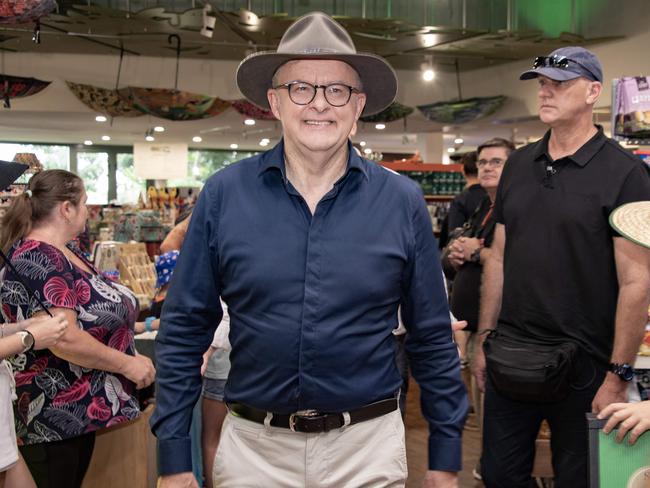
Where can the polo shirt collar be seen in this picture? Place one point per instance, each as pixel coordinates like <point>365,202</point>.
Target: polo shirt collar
<point>581,157</point>
<point>275,159</point>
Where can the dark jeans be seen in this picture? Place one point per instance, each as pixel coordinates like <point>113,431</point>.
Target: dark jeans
<point>510,429</point>
<point>60,464</point>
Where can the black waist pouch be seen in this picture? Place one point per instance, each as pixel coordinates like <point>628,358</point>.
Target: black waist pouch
<point>529,371</point>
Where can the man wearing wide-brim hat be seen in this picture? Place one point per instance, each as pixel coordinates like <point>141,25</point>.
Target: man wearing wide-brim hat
<point>313,248</point>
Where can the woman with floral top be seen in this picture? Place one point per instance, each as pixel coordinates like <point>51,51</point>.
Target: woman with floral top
<point>87,380</point>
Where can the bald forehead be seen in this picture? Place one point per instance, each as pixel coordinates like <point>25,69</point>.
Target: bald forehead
<point>317,71</point>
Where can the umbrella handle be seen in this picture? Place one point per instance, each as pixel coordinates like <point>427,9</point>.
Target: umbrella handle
<point>178,54</point>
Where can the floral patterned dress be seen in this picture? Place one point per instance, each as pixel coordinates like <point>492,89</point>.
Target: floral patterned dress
<point>57,399</point>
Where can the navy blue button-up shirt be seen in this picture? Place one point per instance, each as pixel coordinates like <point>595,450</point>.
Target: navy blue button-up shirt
<point>312,301</point>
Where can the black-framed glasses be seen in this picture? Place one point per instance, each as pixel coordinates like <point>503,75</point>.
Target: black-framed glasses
<point>303,93</point>
<point>494,162</point>
<point>561,62</point>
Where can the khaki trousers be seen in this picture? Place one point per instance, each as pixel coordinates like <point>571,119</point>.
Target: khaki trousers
<point>370,454</point>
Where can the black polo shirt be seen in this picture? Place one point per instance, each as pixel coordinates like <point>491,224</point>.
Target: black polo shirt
<point>559,270</point>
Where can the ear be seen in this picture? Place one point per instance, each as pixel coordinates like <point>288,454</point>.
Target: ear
<point>274,102</point>
<point>360,104</point>
<point>594,91</point>
<point>65,209</point>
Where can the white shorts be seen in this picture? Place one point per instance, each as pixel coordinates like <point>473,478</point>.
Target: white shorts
<point>8,447</point>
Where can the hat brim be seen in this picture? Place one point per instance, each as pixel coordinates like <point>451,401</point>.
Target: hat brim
<point>556,74</point>
<point>9,172</point>
<point>632,221</point>
<point>379,80</point>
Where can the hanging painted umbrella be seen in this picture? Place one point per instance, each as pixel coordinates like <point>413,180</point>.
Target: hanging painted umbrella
<point>22,11</point>
<point>19,87</point>
<point>251,110</point>
<point>394,111</point>
<point>462,111</point>
<point>114,103</point>
<point>175,104</point>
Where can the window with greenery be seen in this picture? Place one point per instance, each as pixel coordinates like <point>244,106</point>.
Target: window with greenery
<point>50,156</point>
<point>92,168</point>
<point>129,186</point>
<point>203,164</point>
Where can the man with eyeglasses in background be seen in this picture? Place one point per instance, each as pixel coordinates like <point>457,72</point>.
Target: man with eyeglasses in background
<point>557,274</point>
<point>467,254</point>
<point>313,248</point>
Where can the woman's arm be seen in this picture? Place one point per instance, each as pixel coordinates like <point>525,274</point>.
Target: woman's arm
<point>10,346</point>
<point>7,330</point>
<point>79,347</point>
<point>45,330</point>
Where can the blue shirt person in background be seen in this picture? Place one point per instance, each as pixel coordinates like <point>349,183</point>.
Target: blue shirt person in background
<point>313,248</point>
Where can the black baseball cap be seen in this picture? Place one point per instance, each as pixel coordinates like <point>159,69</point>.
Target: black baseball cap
<point>566,63</point>
<point>9,172</point>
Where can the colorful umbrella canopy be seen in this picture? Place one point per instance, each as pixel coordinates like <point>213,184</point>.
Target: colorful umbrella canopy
<point>251,110</point>
<point>104,100</point>
<point>21,11</point>
<point>461,111</point>
<point>19,87</point>
<point>175,104</point>
<point>394,111</point>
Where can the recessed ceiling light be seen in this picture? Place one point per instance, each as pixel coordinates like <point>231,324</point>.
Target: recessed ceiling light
<point>88,142</point>
<point>458,140</point>
<point>380,126</point>
<point>362,143</point>
<point>149,138</point>
<point>264,142</point>
<point>249,122</point>
<point>428,75</point>
<point>451,149</point>
<point>367,151</point>
<point>234,146</point>
<point>197,139</point>
<point>106,138</point>
<point>159,128</point>
<point>101,118</point>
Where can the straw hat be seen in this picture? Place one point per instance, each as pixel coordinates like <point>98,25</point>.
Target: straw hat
<point>318,36</point>
<point>632,221</point>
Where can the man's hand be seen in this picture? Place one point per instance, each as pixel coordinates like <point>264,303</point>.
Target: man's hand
<point>613,390</point>
<point>180,480</point>
<point>206,357</point>
<point>469,245</point>
<point>455,255</point>
<point>460,325</point>
<point>440,479</point>
<point>478,365</point>
<point>630,417</point>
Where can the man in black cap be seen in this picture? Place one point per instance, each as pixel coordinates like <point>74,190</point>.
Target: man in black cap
<point>313,249</point>
<point>559,282</point>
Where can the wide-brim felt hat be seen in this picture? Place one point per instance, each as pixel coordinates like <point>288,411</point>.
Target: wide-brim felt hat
<point>318,36</point>
<point>632,221</point>
<point>9,172</point>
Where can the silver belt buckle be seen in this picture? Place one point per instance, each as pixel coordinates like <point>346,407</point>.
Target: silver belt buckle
<point>301,413</point>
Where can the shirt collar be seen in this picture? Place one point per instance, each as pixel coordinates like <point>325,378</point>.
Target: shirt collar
<point>275,159</point>
<point>581,157</point>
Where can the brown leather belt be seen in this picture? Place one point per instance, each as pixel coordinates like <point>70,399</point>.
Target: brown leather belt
<point>312,421</point>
